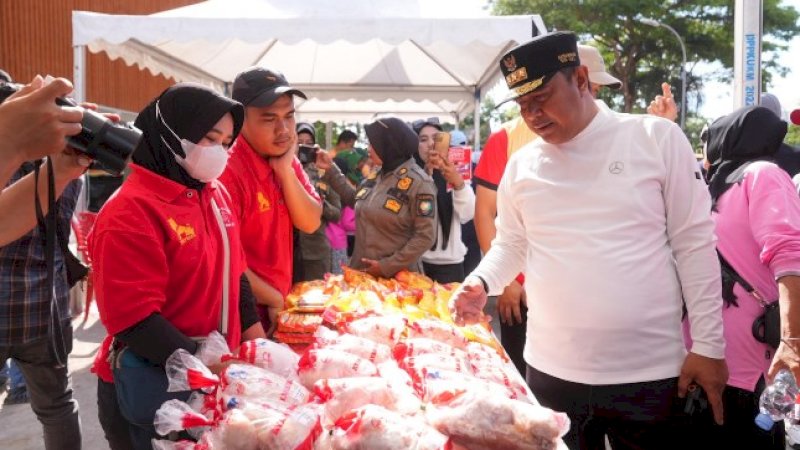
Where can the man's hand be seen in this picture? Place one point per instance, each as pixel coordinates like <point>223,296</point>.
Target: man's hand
<point>786,357</point>
<point>711,374</point>
<point>272,313</point>
<point>467,302</point>
<point>664,105</point>
<point>324,160</point>
<point>32,125</point>
<point>282,165</point>
<point>509,303</point>
<point>373,267</point>
<point>68,165</point>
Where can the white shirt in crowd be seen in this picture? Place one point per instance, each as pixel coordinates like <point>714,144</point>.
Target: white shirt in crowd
<point>612,229</point>
<point>463,212</point>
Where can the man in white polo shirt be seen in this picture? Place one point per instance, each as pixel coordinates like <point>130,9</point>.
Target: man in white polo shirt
<point>608,217</point>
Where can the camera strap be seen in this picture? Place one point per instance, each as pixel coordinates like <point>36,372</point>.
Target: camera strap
<point>728,270</point>
<point>47,226</point>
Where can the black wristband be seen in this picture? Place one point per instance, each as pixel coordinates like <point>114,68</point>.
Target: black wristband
<point>485,285</point>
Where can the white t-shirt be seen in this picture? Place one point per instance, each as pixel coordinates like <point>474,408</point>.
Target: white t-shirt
<point>612,230</point>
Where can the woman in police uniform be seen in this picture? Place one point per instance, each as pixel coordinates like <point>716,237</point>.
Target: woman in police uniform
<point>395,206</point>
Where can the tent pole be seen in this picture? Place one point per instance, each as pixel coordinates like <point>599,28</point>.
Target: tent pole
<point>79,73</point>
<point>477,144</point>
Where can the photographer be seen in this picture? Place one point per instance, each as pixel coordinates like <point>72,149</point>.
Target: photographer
<point>31,125</point>
<point>312,250</point>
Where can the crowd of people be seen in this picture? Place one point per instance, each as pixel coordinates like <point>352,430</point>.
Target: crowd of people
<point>606,247</point>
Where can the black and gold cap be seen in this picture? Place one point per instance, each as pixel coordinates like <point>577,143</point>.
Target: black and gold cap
<point>532,64</point>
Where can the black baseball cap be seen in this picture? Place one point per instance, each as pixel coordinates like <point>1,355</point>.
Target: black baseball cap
<point>258,86</point>
<point>534,63</point>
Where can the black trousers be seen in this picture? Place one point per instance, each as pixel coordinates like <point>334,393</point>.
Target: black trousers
<point>444,273</point>
<point>513,339</point>
<point>115,427</point>
<point>739,429</point>
<point>647,416</point>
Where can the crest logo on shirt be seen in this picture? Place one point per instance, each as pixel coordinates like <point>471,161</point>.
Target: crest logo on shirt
<point>185,233</point>
<point>616,167</point>
<point>425,205</point>
<point>263,202</point>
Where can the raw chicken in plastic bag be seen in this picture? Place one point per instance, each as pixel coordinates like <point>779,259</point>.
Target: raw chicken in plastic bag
<point>365,348</point>
<point>175,415</point>
<point>345,394</point>
<point>438,331</point>
<point>481,421</point>
<point>159,444</point>
<point>266,426</point>
<point>319,363</point>
<point>386,330</point>
<point>438,381</point>
<point>418,366</point>
<point>277,358</point>
<point>376,428</point>
<point>420,346</point>
<point>212,349</point>
<point>186,373</point>
<point>504,375</point>
<point>244,380</point>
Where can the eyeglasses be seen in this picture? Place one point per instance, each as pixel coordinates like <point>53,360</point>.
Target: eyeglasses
<point>418,124</point>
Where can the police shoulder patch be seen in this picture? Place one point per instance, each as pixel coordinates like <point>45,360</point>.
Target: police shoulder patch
<point>404,183</point>
<point>362,193</point>
<point>425,205</point>
<point>392,205</point>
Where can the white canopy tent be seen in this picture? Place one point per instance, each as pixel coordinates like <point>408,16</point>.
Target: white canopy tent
<point>355,59</point>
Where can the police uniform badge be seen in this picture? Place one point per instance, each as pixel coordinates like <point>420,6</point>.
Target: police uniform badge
<point>425,205</point>
<point>404,183</point>
<point>403,171</point>
<point>392,205</point>
<point>322,187</point>
<point>362,193</point>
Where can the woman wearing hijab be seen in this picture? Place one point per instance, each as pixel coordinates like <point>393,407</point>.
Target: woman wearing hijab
<point>167,259</point>
<point>455,205</point>
<point>757,215</point>
<point>395,206</point>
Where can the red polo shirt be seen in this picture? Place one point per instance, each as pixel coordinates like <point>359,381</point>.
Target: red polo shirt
<point>157,247</point>
<point>257,199</point>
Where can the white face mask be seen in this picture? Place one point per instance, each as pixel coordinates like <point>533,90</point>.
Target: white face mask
<point>204,163</point>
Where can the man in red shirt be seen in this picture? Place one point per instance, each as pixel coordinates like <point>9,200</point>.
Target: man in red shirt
<point>270,192</point>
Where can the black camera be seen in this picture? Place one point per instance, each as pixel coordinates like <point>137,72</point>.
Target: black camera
<point>307,154</point>
<point>109,144</point>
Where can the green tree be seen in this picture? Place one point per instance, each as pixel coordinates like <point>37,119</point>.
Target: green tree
<point>793,136</point>
<point>643,56</point>
<point>489,114</point>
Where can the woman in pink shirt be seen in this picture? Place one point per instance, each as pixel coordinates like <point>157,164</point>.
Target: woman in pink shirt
<point>757,214</point>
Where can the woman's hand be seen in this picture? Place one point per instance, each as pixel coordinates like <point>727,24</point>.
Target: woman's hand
<point>447,168</point>
<point>373,267</point>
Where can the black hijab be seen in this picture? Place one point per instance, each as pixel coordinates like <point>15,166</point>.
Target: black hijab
<point>444,199</point>
<point>746,135</point>
<point>190,110</point>
<point>393,140</point>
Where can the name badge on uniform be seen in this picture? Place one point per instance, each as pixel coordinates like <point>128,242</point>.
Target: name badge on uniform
<point>392,205</point>
<point>404,183</point>
<point>425,206</point>
<point>362,193</point>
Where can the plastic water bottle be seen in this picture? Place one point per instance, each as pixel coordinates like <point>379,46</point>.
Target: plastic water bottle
<point>779,401</point>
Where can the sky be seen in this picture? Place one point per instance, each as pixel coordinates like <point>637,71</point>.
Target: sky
<point>718,96</point>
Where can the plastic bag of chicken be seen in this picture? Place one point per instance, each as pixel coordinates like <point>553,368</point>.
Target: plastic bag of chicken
<point>373,427</point>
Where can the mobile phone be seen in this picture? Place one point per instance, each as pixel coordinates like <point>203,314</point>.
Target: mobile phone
<point>307,154</point>
<point>441,143</point>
